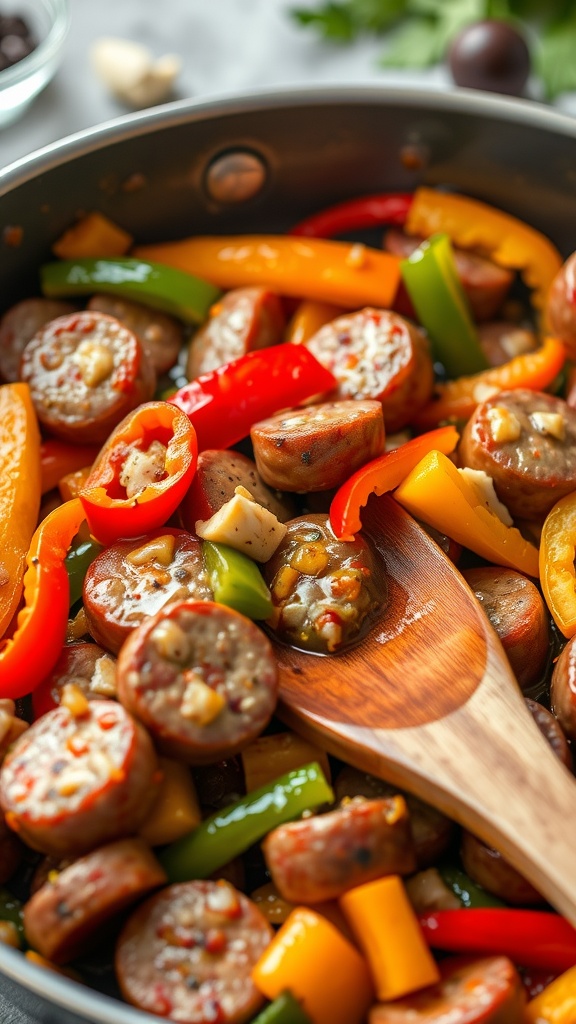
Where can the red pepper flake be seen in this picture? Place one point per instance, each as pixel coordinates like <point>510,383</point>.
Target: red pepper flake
<point>108,720</point>
<point>77,746</point>
<point>216,941</point>
<point>162,1003</point>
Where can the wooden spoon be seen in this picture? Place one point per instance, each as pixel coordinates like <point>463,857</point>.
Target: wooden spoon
<point>428,701</point>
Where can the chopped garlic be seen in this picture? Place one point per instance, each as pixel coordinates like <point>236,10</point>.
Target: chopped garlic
<point>484,488</point>
<point>130,71</point>
<point>160,549</point>
<point>504,425</point>
<point>245,525</point>
<point>200,703</point>
<point>551,423</point>
<point>171,641</point>
<point>95,363</point>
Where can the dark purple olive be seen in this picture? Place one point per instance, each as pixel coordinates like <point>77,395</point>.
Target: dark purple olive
<point>490,55</point>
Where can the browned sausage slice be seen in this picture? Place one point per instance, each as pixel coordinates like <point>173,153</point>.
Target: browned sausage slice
<point>136,578</point>
<point>502,340</point>
<point>488,868</point>
<point>563,689</point>
<point>63,918</point>
<point>552,731</point>
<point>321,857</point>
<point>244,320</point>
<point>317,448</point>
<point>218,474</point>
<point>71,783</point>
<point>162,336</point>
<point>19,325</point>
<point>379,355</point>
<point>88,666</point>
<point>187,954</point>
<point>86,371</point>
<point>517,612</point>
<point>485,283</point>
<point>487,991</point>
<point>203,679</point>
<point>526,441</point>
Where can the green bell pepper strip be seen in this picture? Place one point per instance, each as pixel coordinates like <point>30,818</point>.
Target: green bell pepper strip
<point>434,287</point>
<point>468,892</point>
<point>173,291</point>
<point>77,561</point>
<point>230,832</point>
<point>284,1010</point>
<point>236,581</point>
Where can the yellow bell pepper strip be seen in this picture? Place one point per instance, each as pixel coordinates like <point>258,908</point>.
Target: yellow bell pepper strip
<point>557,1003</point>
<point>381,475</point>
<point>471,224</point>
<point>457,399</point>
<point>176,810</point>
<point>267,757</point>
<point>32,652</point>
<point>439,299</point>
<point>19,492</point>
<point>310,958</point>
<point>94,235</point>
<point>345,273</point>
<point>387,930</point>
<point>59,458</point>
<point>308,318</point>
<point>442,497</point>
<point>557,571</point>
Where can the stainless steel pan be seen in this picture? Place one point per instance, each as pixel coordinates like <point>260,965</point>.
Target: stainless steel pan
<point>254,163</point>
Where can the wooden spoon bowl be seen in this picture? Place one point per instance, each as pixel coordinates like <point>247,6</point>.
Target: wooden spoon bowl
<point>428,701</point>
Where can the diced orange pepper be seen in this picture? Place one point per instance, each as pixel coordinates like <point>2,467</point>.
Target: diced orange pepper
<point>441,496</point>
<point>95,235</point>
<point>556,1004</point>
<point>175,811</point>
<point>310,958</point>
<point>19,492</point>
<point>506,240</point>
<point>387,929</point>
<point>345,273</point>
<point>557,571</point>
<point>268,757</point>
<point>457,399</point>
<point>309,317</point>
<point>71,484</point>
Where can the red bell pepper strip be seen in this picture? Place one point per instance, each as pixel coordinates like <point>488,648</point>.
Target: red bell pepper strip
<point>59,458</point>
<point>110,513</point>
<point>381,475</point>
<point>32,652</point>
<point>225,403</point>
<point>531,938</point>
<point>355,214</point>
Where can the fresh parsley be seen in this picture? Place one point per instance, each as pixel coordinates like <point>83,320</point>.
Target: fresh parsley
<point>419,32</point>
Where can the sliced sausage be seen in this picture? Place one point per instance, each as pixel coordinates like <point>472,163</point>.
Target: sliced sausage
<point>321,857</point>
<point>486,991</point>
<point>561,305</point>
<point>71,783</point>
<point>317,448</point>
<point>551,730</point>
<point>162,336</point>
<point>563,689</point>
<point>64,917</point>
<point>526,441</point>
<point>517,613</point>
<point>326,592</point>
<point>135,578</point>
<point>485,283</point>
<point>488,868</point>
<point>218,474</point>
<point>187,954</point>
<point>501,341</point>
<point>88,666</point>
<point>86,371</point>
<point>202,677</point>
<point>244,320</point>
<point>379,355</point>
<point>19,325</point>
<point>432,831</point>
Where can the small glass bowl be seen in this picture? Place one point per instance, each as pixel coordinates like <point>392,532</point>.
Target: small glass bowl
<point>20,83</point>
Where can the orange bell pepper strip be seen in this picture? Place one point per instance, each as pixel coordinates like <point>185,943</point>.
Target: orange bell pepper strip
<point>308,318</point>
<point>310,958</point>
<point>95,235</point>
<point>19,492</point>
<point>557,571</point>
<point>345,273</point>
<point>556,1004</point>
<point>507,240</point>
<point>457,399</point>
<point>381,475</point>
<point>387,930</point>
<point>32,652</point>
<point>437,493</point>
<point>59,458</point>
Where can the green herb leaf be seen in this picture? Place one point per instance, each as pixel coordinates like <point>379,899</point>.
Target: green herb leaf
<point>555,57</point>
<point>416,44</point>
<point>378,15</point>
<point>334,21</point>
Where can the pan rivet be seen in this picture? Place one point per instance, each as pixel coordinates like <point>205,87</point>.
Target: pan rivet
<point>235,176</point>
